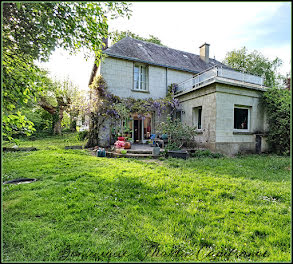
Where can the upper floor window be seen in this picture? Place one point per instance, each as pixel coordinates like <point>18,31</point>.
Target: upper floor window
<point>140,78</point>
<point>241,118</point>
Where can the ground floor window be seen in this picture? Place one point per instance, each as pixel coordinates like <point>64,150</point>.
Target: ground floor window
<point>241,118</point>
<point>197,117</point>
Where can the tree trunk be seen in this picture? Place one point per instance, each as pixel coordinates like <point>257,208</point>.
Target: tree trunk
<point>56,112</point>
<point>72,124</point>
<point>57,130</point>
<point>94,130</point>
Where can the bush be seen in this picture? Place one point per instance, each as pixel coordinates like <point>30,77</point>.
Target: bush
<point>206,154</point>
<point>82,135</point>
<point>178,133</point>
<point>277,104</point>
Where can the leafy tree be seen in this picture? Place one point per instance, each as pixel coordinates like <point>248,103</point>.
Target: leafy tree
<point>277,103</point>
<point>118,35</point>
<point>56,100</point>
<point>22,82</point>
<point>31,31</point>
<point>78,107</point>
<point>36,29</point>
<point>254,63</point>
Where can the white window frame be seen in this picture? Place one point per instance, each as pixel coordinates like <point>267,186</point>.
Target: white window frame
<point>195,117</point>
<point>140,82</point>
<point>248,118</point>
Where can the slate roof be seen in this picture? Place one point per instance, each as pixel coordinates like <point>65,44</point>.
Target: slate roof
<point>141,51</point>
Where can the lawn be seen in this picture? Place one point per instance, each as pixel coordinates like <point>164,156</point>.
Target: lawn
<point>85,208</point>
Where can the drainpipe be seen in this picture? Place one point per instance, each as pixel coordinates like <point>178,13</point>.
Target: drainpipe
<point>166,81</point>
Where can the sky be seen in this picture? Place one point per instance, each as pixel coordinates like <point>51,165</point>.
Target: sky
<point>226,26</point>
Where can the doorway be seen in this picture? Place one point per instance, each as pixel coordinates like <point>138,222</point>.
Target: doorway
<point>137,130</point>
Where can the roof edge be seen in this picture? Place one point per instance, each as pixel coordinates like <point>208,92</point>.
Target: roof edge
<point>148,62</point>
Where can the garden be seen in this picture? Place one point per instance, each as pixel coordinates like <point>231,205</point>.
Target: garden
<point>86,208</point>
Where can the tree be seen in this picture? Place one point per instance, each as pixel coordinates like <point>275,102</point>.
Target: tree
<point>36,29</point>
<point>277,103</point>
<point>22,82</point>
<point>255,63</point>
<point>78,107</point>
<point>31,31</point>
<point>56,101</point>
<point>118,35</point>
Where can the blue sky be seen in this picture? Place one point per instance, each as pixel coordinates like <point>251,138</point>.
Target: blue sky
<point>226,26</point>
<point>276,30</point>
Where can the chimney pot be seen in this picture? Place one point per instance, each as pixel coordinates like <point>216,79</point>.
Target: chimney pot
<point>204,52</point>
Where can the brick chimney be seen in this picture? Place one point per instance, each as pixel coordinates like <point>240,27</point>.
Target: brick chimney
<point>204,52</point>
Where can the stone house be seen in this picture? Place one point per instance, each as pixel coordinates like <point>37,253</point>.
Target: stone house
<point>222,103</point>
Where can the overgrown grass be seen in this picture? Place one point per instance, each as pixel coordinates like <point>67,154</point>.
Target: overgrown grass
<point>84,208</point>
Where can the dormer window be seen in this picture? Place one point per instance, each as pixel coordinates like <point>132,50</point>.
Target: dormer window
<point>140,78</point>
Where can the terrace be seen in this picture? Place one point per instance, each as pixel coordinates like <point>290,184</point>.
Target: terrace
<point>222,75</point>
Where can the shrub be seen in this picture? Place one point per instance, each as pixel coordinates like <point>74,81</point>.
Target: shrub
<point>277,106</point>
<point>178,133</point>
<point>206,153</point>
<point>82,135</point>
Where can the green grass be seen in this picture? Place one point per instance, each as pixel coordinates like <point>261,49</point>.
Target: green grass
<point>84,208</point>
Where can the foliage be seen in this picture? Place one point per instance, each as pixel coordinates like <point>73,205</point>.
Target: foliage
<point>178,133</point>
<point>118,35</point>
<point>255,63</point>
<point>101,106</point>
<point>277,103</point>
<point>88,209</point>
<point>41,119</point>
<point>16,125</point>
<point>82,135</point>
<point>36,29</point>
<point>106,106</point>
<point>206,154</point>
<point>31,31</point>
<point>22,82</point>
<point>78,107</point>
<point>56,100</point>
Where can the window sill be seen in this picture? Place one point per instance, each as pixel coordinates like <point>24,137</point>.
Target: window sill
<point>199,131</point>
<point>140,91</point>
<point>235,132</point>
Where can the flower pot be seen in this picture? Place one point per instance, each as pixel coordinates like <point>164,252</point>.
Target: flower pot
<point>156,151</point>
<point>127,145</point>
<point>101,153</point>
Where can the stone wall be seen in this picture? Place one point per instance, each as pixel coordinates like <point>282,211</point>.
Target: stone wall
<point>118,74</point>
<point>206,98</point>
<point>218,102</point>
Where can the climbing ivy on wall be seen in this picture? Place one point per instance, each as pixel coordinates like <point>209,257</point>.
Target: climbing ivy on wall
<point>106,106</point>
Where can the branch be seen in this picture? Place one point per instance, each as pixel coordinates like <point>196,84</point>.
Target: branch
<point>46,106</point>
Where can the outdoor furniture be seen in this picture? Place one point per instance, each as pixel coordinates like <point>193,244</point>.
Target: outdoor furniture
<point>159,141</point>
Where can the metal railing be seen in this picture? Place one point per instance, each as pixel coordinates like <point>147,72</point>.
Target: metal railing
<point>211,73</point>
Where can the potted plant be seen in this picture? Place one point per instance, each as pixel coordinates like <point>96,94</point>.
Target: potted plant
<point>127,144</point>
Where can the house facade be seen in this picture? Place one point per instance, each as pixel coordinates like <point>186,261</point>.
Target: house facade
<point>226,111</point>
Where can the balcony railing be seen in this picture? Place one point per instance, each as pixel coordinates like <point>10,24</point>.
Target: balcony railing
<point>210,74</point>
